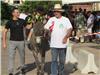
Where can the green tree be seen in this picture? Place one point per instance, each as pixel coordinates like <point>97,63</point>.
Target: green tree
<point>34,5</point>
<point>5,10</point>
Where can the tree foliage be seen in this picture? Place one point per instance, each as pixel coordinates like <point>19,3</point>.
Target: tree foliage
<point>38,5</point>
<point>5,10</point>
<point>28,6</point>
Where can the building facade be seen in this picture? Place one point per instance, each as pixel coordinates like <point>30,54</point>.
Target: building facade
<point>14,2</point>
<point>89,5</point>
<point>86,6</point>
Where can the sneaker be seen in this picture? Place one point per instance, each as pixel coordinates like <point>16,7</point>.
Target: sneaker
<point>22,72</point>
<point>10,74</point>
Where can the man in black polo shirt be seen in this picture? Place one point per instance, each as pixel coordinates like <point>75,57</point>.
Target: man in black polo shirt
<point>16,26</point>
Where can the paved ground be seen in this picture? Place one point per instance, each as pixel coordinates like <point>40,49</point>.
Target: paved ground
<point>92,47</point>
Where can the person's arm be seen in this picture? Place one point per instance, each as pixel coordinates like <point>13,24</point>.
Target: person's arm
<point>4,37</point>
<point>7,27</point>
<point>69,32</point>
<point>48,24</point>
<point>29,35</point>
<point>48,27</point>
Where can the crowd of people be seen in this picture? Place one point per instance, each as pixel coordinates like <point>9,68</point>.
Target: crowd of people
<point>83,22</point>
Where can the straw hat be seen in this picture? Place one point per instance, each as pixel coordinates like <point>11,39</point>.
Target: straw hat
<point>58,7</point>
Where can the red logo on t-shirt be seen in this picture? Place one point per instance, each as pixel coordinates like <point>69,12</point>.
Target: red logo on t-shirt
<point>52,26</point>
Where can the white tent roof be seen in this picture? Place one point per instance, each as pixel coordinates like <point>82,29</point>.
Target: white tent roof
<point>78,1</point>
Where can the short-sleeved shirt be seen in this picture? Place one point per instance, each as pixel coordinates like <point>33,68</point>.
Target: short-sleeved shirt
<point>58,29</point>
<point>90,21</point>
<point>80,20</point>
<point>16,29</point>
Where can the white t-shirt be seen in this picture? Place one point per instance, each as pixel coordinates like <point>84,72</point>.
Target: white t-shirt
<point>59,31</point>
<point>90,21</point>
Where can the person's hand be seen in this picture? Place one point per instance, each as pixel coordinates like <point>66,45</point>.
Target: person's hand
<point>27,42</point>
<point>65,40</point>
<point>4,45</point>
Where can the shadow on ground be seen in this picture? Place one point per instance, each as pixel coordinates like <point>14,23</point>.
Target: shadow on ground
<point>69,68</point>
<point>27,68</point>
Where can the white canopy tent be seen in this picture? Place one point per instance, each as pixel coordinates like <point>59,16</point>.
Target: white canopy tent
<point>78,1</point>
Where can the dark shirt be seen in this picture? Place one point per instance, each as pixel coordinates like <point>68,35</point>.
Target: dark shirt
<point>16,29</point>
<point>96,26</point>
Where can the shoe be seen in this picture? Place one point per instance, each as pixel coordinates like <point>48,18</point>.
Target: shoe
<point>10,74</point>
<point>22,72</point>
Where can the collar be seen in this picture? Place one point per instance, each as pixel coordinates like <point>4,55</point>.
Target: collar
<point>59,17</point>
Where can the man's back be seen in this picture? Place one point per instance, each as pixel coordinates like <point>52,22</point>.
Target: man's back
<point>80,20</point>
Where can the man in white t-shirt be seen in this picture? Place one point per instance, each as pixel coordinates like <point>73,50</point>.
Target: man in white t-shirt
<point>61,29</point>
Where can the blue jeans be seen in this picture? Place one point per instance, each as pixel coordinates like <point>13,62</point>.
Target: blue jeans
<point>98,35</point>
<point>58,67</point>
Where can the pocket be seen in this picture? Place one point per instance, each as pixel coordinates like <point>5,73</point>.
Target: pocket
<point>61,26</point>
